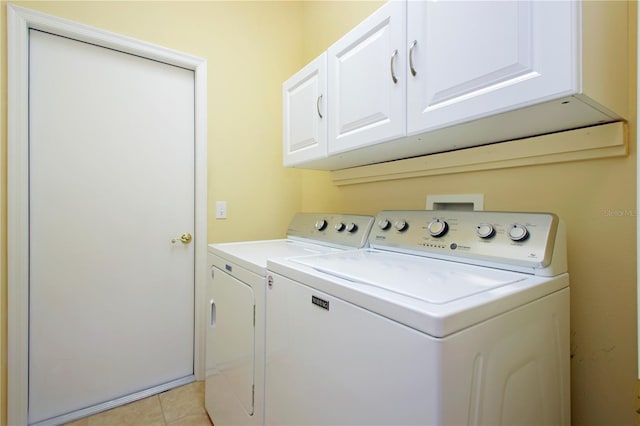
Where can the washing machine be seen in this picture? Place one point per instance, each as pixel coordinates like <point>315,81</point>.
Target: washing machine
<point>448,318</point>
<point>235,338</point>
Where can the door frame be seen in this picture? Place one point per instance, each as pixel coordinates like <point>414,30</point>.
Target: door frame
<point>19,21</point>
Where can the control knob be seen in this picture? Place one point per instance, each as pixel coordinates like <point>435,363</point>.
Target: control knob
<point>518,232</point>
<point>352,227</point>
<point>384,224</point>
<point>339,226</point>
<point>485,230</point>
<point>401,225</point>
<point>321,224</point>
<point>437,228</point>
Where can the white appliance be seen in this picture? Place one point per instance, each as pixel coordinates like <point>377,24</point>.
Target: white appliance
<point>234,387</point>
<point>450,318</point>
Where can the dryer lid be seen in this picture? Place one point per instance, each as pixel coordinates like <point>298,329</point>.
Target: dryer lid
<point>253,255</point>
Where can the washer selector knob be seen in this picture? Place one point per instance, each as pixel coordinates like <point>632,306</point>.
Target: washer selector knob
<point>339,227</point>
<point>438,228</point>
<point>321,224</point>
<point>485,230</point>
<point>352,228</point>
<point>518,232</point>
<point>401,225</point>
<point>384,224</point>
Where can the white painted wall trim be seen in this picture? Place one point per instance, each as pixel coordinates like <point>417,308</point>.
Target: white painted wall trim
<point>19,22</point>
<point>602,141</point>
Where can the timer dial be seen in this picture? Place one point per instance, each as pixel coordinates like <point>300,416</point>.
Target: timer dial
<point>485,230</point>
<point>352,227</point>
<point>518,232</point>
<point>437,228</point>
<point>321,224</point>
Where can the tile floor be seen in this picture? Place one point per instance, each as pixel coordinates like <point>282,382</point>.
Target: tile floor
<point>183,406</point>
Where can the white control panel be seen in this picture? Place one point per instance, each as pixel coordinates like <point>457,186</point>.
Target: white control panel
<point>525,239</point>
<point>337,229</point>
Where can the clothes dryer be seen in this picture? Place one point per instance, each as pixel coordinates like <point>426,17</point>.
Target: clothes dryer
<point>449,318</point>
<point>234,387</point>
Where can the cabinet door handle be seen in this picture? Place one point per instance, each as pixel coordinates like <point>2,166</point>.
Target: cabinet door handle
<point>413,70</point>
<point>392,64</point>
<point>318,106</point>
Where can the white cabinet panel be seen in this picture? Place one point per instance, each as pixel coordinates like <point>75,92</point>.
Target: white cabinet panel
<point>305,113</point>
<point>367,81</point>
<point>472,59</point>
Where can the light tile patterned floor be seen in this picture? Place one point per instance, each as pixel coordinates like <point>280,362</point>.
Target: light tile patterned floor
<point>183,406</point>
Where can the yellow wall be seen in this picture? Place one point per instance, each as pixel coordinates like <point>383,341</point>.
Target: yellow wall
<point>252,47</point>
<point>596,199</point>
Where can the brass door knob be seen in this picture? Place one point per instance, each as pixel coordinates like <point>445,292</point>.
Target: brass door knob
<point>184,238</point>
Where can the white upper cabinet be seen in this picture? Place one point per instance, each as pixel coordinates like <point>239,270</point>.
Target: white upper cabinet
<point>304,114</point>
<point>472,59</point>
<point>367,81</point>
<point>426,76</point>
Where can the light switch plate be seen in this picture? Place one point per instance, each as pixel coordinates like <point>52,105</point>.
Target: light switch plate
<point>221,209</point>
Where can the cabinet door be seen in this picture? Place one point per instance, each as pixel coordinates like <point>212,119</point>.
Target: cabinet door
<point>472,59</point>
<point>305,114</point>
<point>367,81</point>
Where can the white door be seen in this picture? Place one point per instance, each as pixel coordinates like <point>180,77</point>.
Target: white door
<point>471,59</point>
<point>304,104</point>
<point>367,82</point>
<point>111,160</point>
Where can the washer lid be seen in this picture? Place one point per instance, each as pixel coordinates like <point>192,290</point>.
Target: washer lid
<point>428,280</point>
